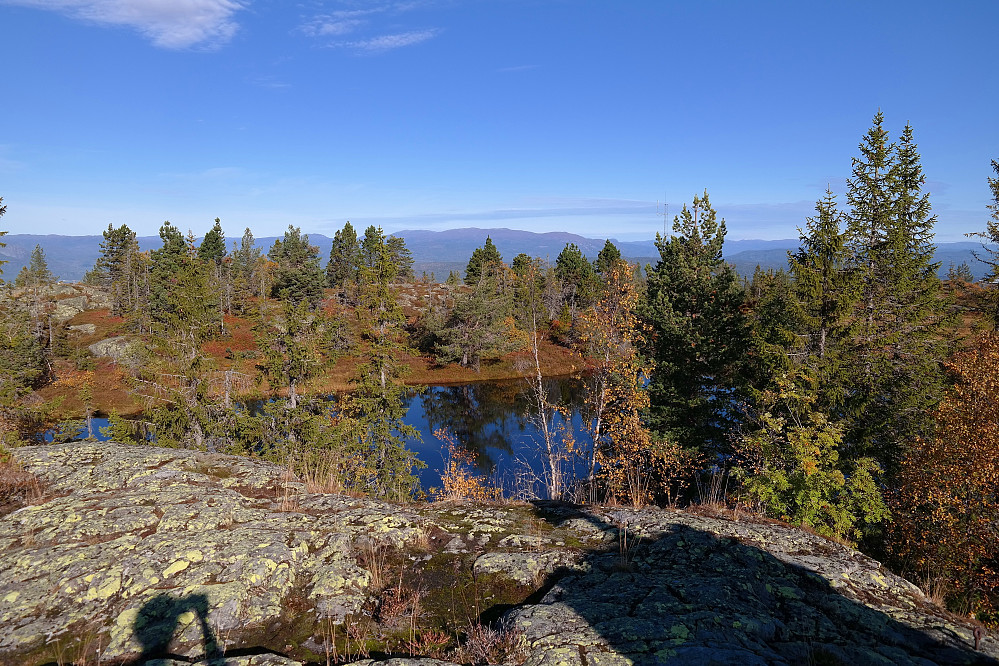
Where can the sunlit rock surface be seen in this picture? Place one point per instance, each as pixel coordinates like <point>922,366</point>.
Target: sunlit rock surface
<point>166,556</point>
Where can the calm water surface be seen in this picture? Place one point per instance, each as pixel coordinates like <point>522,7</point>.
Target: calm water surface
<point>492,420</point>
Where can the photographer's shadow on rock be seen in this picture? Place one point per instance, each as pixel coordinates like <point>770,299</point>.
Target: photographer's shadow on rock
<point>163,616</point>
<point>685,595</point>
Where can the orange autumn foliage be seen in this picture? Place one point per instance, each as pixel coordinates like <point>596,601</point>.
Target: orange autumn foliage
<point>946,508</point>
<point>458,479</point>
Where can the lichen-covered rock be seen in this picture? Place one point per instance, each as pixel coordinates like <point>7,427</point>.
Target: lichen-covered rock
<point>67,308</point>
<point>120,349</point>
<point>146,554</point>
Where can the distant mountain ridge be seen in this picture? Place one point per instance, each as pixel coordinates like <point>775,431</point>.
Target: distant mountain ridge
<point>438,252</point>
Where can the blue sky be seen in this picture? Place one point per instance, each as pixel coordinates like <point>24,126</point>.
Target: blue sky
<point>569,115</point>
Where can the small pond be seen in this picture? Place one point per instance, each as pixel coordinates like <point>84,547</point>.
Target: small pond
<point>492,420</point>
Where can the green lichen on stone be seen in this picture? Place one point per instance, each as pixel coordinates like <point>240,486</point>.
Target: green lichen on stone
<point>132,525</point>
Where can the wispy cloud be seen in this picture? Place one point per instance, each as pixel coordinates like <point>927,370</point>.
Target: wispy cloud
<point>517,68</point>
<point>388,42</point>
<point>170,24</point>
<point>365,28</point>
<point>270,82</point>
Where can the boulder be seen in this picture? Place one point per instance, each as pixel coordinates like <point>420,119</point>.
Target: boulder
<point>163,556</point>
<point>119,349</point>
<point>84,329</point>
<point>67,308</point>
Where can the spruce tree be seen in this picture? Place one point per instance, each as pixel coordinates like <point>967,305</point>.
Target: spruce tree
<point>580,283</point>
<point>3,209</point>
<point>371,245</point>
<point>121,271</point>
<point>485,258</point>
<point>401,257</point>
<point>36,273</point>
<point>164,271</point>
<point>376,406</point>
<point>607,259</point>
<point>249,276</point>
<point>298,277</point>
<point>212,253</point>
<point>990,254</point>
<point>212,248</point>
<point>345,259</point>
<point>826,294</point>
<point>776,322</point>
<point>897,341</point>
<point>694,307</point>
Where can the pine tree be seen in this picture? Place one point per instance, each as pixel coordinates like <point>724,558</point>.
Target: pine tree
<point>480,322</point>
<point>700,336</point>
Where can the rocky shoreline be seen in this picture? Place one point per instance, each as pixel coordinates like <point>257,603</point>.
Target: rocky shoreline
<point>163,556</point>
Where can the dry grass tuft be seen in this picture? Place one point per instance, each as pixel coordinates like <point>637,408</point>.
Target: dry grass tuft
<point>18,488</point>
<point>485,645</point>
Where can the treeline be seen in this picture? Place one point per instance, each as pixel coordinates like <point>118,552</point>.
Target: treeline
<point>834,394</point>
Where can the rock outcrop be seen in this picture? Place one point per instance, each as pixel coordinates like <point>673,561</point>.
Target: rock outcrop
<point>163,556</point>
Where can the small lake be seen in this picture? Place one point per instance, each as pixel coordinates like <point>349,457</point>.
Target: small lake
<point>492,420</point>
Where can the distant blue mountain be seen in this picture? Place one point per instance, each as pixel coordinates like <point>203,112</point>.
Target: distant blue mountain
<point>69,257</point>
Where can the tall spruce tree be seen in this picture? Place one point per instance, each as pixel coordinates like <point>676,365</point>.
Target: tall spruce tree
<point>897,341</point>
<point>3,209</point>
<point>376,406</point>
<point>345,259</point>
<point>694,307</point>
<point>212,253</point>
<point>826,293</point>
<point>212,248</point>
<point>249,276</point>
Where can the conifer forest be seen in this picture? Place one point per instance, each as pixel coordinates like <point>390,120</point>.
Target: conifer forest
<point>854,392</point>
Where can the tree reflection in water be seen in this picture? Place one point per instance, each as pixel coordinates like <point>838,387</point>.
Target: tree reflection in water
<point>491,420</point>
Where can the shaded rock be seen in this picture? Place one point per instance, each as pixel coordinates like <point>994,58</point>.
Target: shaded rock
<point>174,553</point>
